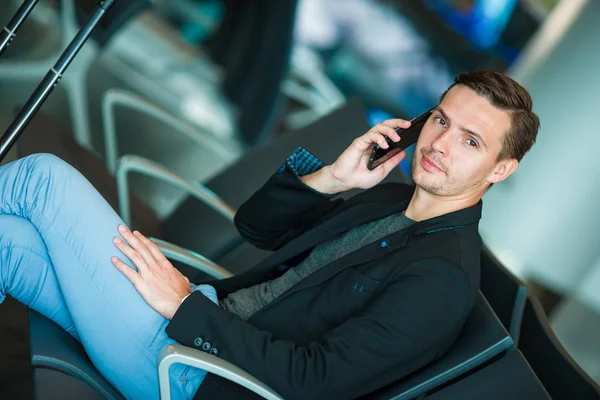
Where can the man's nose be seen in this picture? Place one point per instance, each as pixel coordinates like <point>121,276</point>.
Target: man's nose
<point>442,142</point>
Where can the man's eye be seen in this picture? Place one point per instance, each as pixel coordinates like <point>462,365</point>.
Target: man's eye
<point>440,121</point>
<point>472,143</point>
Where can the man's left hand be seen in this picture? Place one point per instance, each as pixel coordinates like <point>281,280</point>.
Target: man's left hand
<point>160,284</point>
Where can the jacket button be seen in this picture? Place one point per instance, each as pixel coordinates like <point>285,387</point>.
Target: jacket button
<point>214,351</point>
<point>206,346</point>
<point>198,342</point>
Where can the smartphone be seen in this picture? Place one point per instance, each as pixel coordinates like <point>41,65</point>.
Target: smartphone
<point>407,137</point>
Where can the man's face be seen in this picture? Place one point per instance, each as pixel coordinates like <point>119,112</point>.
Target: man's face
<point>459,144</point>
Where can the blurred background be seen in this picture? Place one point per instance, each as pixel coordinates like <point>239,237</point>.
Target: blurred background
<point>236,74</point>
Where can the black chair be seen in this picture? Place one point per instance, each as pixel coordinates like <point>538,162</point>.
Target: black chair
<point>505,292</point>
<point>482,339</point>
<point>558,372</point>
<point>511,377</point>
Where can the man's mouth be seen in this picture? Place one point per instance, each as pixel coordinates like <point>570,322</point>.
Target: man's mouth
<point>430,165</point>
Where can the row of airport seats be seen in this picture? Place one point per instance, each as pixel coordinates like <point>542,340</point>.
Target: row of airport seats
<point>505,351</point>
<point>239,68</point>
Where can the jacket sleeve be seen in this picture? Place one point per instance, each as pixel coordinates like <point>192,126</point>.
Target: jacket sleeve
<point>398,329</point>
<point>284,207</point>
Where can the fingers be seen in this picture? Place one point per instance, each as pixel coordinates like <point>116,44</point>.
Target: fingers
<point>129,272</point>
<point>378,138</point>
<point>153,248</point>
<point>135,257</point>
<point>377,134</point>
<point>392,163</point>
<point>384,130</point>
<point>396,123</point>
<point>134,249</point>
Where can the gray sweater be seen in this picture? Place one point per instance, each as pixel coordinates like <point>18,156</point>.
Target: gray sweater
<point>245,302</point>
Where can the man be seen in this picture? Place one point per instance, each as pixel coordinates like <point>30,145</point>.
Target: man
<point>356,295</point>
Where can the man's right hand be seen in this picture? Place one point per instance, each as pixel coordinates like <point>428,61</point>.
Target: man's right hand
<point>350,170</point>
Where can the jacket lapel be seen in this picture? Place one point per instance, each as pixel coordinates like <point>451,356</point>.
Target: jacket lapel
<point>340,223</point>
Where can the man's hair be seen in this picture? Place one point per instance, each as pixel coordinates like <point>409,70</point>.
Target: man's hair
<point>505,94</point>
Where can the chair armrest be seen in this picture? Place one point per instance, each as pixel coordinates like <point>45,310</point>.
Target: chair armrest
<point>176,353</point>
<point>227,150</point>
<point>191,258</point>
<point>131,163</point>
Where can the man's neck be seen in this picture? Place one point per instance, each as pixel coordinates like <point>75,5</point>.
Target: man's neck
<point>424,205</point>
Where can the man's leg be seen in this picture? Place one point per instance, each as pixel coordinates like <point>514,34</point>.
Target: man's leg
<point>26,272</point>
<point>75,226</point>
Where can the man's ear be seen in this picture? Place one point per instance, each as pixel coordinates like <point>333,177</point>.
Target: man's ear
<point>503,170</point>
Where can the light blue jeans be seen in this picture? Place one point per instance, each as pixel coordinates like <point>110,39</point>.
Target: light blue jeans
<point>56,236</point>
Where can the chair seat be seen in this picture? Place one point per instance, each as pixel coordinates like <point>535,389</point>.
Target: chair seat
<point>482,338</point>
<point>511,377</point>
<point>52,347</point>
<point>49,384</point>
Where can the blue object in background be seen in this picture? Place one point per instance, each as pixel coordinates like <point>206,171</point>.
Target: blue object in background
<point>376,116</point>
<point>199,31</point>
<point>482,25</point>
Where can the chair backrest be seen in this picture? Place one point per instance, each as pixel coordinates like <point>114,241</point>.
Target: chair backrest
<point>558,372</point>
<point>510,377</point>
<point>133,125</point>
<point>52,347</point>
<point>482,338</point>
<point>505,292</point>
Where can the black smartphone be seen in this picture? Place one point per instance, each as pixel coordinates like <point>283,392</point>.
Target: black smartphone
<point>407,137</point>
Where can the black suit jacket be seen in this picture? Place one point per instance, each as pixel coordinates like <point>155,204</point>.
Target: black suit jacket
<point>355,325</point>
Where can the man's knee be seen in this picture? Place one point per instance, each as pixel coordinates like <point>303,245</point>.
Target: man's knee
<point>48,165</point>
<point>18,231</point>
<point>38,175</point>
<point>47,161</point>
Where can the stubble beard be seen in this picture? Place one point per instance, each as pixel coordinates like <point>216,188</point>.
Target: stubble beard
<point>434,188</point>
